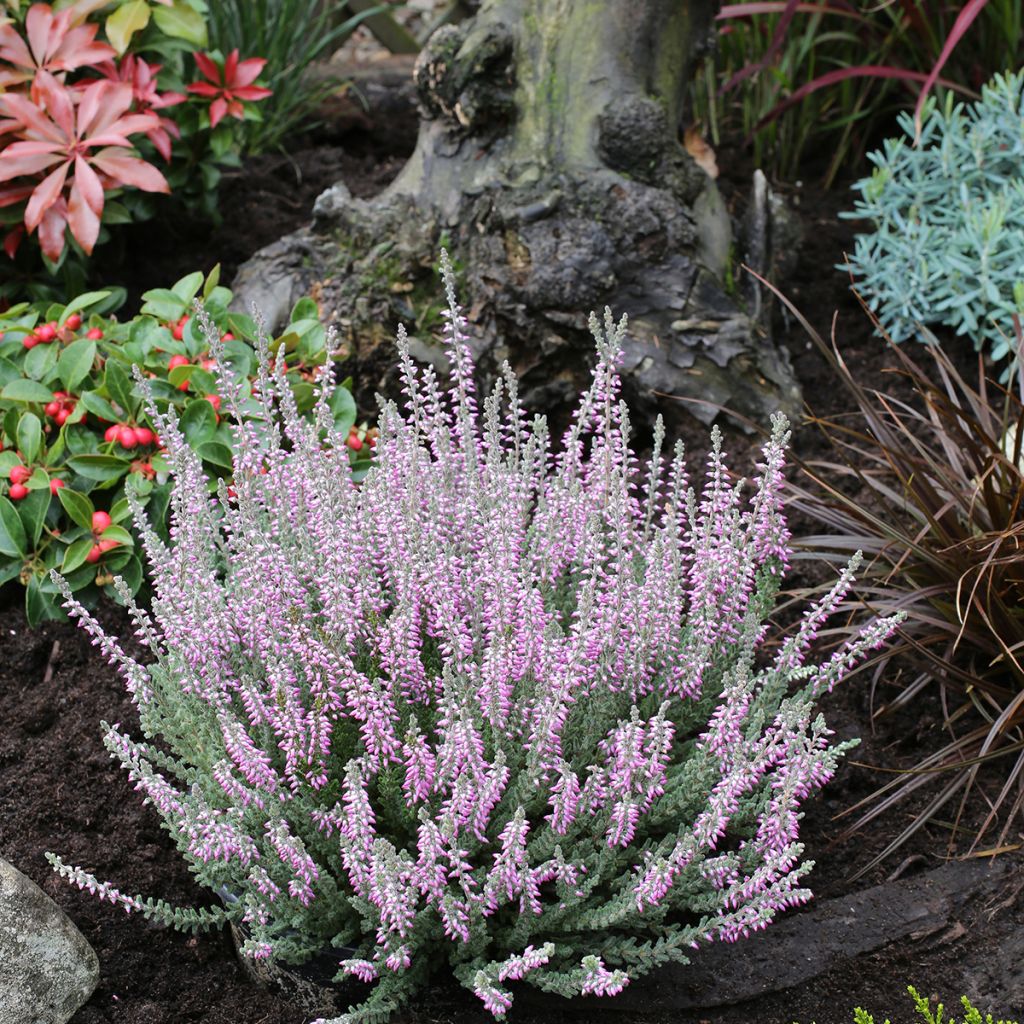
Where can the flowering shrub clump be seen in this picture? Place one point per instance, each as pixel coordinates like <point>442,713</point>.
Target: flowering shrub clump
<point>496,706</point>
<point>948,215</point>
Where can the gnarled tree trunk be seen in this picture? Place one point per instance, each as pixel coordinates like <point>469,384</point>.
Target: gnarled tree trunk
<point>549,163</point>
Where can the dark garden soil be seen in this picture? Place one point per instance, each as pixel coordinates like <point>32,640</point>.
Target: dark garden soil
<point>59,791</point>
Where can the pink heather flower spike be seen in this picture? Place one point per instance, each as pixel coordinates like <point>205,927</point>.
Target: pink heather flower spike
<point>500,705</point>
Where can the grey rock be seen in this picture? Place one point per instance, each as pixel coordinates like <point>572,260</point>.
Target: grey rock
<point>274,279</point>
<point>47,969</point>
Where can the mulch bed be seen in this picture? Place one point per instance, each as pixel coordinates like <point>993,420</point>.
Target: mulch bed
<point>60,791</point>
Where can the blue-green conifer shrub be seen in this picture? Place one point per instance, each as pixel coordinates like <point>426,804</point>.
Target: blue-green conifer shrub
<point>948,215</point>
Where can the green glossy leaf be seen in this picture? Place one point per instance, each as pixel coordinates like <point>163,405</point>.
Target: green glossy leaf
<point>78,507</point>
<point>343,409</point>
<point>13,540</point>
<point>75,363</point>
<point>26,391</point>
<point>240,357</point>
<point>39,605</point>
<point>75,555</point>
<point>99,467</point>
<point>128,19</point>
<point>99,406</point>
<point>121,510</point>
<point>40,361</point>
<point>32,511</point>
<point>203,382</point>
<point>180,374</point>
<point>119,386</point>
<point>198,423</point>
<point>9,371</point>
<point>115,559</point>
<point>305,309</point>
<point>54,455</point>
<point>183,22</point>
<point>82,302</point>
<point>212,280</point>
<point>118,533</point>
<point>80,441</point>
<point>156,510</point>
<point>131,573</point>
<point>188,287</point>
<point>164,304</point>
<point>216,452</point>
<point>30,436</point>
<point>242,326</point>
<point>305,396</point>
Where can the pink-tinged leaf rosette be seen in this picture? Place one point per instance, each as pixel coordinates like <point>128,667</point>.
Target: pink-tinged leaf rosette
<point>54,41</point>
<point>76,145</point>
<point>145,98</point>
<point>229,86</point>
<point>501,709</point>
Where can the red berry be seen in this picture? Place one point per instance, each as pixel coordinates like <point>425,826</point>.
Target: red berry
<point>52,408</point>
<point>106,545</point>
<point>209,365</point>
<point>46,332</point>
<point>19,474</point>
<point>178,331</point>
<point>354,442</point>
<point>94,334</point>
<point>62,416</point>
<point>100,521</point>
<point>127,438</point>
<point>94,554</point>
<point>18,491</point>
<point>227,336</point>
<point>30,341</point>
<point>55,485</point>
<point>73,322</point>
<point>214,400</point>
<point>112,432</point>
<point>176,361</point>
<point>61,394</point>
<point>143,435</point>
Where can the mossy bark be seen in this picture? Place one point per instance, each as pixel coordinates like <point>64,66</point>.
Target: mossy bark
<point>549,162</point>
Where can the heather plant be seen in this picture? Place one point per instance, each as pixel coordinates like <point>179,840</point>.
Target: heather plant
<point>948,215</point>
<point>500,707</point>
<point>74,431</point>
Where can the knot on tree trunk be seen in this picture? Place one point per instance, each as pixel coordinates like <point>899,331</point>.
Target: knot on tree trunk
<point>467,81</point>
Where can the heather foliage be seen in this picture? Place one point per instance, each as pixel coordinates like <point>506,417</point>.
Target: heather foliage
<point>948,216</point>
<point>497,706</point>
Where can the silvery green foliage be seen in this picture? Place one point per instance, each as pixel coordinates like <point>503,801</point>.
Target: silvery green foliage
<point>497,709</point>
<point>948,244</point>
